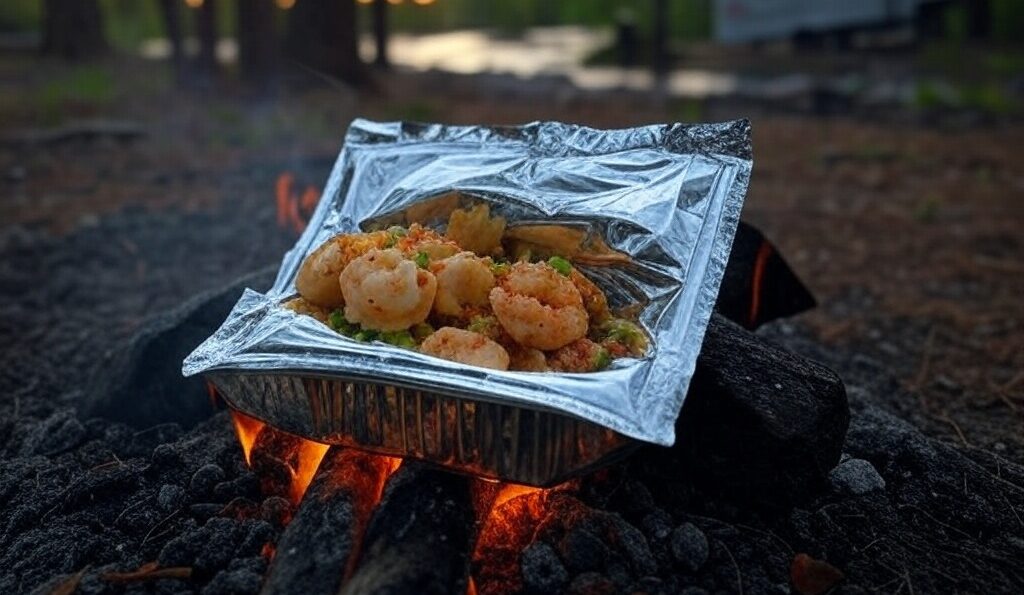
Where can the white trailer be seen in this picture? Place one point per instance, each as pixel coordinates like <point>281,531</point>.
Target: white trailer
<point>744,21</point>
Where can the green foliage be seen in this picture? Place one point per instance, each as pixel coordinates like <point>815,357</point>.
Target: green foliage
<point>20,15</point>
<point>1007,19</point>
<point>89,85</point>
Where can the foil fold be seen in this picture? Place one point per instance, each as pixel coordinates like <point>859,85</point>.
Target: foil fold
<point>668,196</point>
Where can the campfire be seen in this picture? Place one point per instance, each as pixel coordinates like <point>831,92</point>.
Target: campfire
<point>402,524</point>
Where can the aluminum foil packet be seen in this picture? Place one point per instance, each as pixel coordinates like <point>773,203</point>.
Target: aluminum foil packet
<point>666,196</point>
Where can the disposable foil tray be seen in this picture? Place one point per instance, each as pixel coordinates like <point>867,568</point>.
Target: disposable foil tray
<point>667,197</point>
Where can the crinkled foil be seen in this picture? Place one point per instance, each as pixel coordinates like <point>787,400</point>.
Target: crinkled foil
<point>669,196</point>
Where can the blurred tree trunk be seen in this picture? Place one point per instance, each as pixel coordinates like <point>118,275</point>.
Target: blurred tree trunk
<point>257,44</point>
<point>73,29</point>
<point>206,27</point>
<point>659,37</point>
<point>380,32</point>
<point>322,36</point>
<point>172,28</point>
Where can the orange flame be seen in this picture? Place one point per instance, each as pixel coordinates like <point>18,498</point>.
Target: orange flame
<point>247,429</point>
<point>764,251</point>
<point>309,456</point>
<point>294,210</point>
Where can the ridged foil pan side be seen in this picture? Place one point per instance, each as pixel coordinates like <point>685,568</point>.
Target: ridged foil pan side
<point>475,437</point>
<point>668,196</point>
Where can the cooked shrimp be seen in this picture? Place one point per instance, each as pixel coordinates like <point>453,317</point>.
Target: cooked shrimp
<point>385,292</point>
<point>582,355</point>
<point>465,347</point>
<point>421,239</point>
<point>539,307</point>
<point>594,299</point>
<point>526,359</point>
<point>475,230</point>
<point>300,305</point>
<point>462,280</point>
<point>317,280</point>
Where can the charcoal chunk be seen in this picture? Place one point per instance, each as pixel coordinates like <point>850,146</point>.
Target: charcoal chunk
<point>582,550</point>
<point>689,547</point>
<point>233,582</point>
<point>542,571</point>
<point>170,497</point>
<point>204,480</point>
<point>592,583</point>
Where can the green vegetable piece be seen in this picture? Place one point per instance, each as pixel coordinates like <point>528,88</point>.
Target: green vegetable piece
<point>604,359</point>
<point>485,325</point>
<point>500,268</point>
<point>422,259</point>
<point>561,265</point>
<point>395,232</point>
<point>366,335</point>
<point>337,321</point>
<point>421,331</point>
<point>399,339</point>
<point>627,333</point>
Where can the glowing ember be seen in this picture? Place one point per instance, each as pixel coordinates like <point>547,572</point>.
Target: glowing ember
<point>293,209</point>
<point>247,429</point>
<point>510,491</point>
<point>506,528</point>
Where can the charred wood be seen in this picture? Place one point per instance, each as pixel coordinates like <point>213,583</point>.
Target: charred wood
<point>314,551</point>
<point>419,538</point>
<point>759,422</point>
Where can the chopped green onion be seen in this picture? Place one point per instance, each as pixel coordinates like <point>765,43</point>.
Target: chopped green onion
<point>394,232</point>
<point>366,335</point>
<point>604,359</point>
<point>561,265</point>
<point>500,268</point>
<point>399,339</point>
<point>422,259</point>
<point>421,331</point>
<point>337,321</point>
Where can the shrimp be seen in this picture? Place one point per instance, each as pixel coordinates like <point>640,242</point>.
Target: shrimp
<point>475,230</point>
<point>317,280</point>
<point>594,299</point>
<point>462,280</point>
<point>582,355</point>
<point>301,305</point>
<point>423,239</point>
<point>465,347</point>
<point>526,359</point>
<point>385,292</point>
<point>539,307</point>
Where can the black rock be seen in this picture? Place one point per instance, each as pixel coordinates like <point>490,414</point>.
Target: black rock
<point>233,582</point>
<point>170,497</point>
<point>542,570</point>
<point>856,477</point>
<point>582,550</point>
<point>689,547</point>
<point>649,585</point>
<point>276,510</point>
<point>592,583</point>
<point>204,480</point>
<point>657,524</point>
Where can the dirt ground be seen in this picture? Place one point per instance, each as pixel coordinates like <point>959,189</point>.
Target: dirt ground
<point>909,234</point>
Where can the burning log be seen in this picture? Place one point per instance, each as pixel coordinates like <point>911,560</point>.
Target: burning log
<point>419,539</point>
<point>315,550</point>
<point>759,421</point>
<point>758,285</point>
